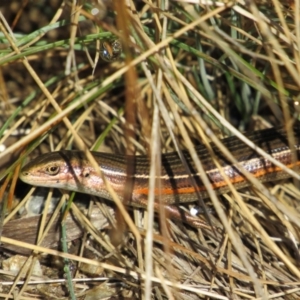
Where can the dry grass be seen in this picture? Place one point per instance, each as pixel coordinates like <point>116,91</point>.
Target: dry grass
<point>188,73</point>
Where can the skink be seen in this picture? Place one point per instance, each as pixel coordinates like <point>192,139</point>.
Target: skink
<point>70,170</point>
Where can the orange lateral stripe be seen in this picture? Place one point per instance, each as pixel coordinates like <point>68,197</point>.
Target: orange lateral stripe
<point>215,186</point>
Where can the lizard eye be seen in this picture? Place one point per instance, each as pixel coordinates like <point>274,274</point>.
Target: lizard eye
<point>52,170</point>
